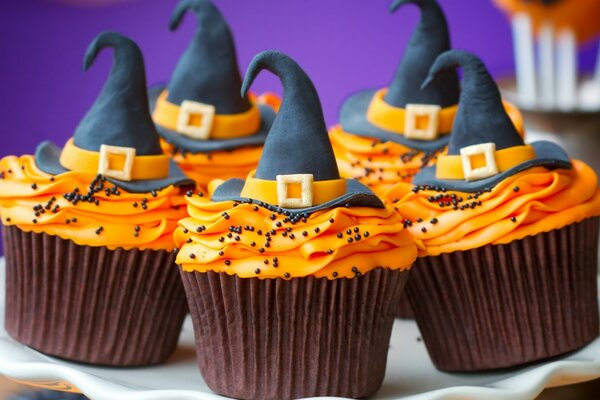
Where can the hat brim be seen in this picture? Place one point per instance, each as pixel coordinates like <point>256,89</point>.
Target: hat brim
<point>357,195</point>
<point>548,155</point>
<point>47,157</point>
<point>267,116</point>
<point>353,119</point>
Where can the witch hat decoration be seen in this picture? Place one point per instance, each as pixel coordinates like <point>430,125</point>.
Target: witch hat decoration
<point>297,170</point>
<point>404,113</point>
<point>116,138</point>
<point>485,147</point>
<point>201,109</point>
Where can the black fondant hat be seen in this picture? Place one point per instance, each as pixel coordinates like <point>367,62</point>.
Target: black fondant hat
<point>208,73</point>
<point>481,124</point>
<point>298,142</point>
<point>119,118</point>
<point>429,40</point>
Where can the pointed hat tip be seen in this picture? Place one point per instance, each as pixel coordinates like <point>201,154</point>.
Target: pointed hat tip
<point>450,59</point>
<point>105,39</point>
<point>258,63</point>
<point>198,6</point>
<point>453,59</point>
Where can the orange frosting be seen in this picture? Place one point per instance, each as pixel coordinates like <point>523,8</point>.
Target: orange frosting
<point>525,204</point>
<point>233,238</point>
<point>35,202</point>
<point>203,168</point>
<point>376,164</point>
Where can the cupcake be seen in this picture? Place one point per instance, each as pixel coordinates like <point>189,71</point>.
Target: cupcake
<point>207,128</point>
<point>507,235</point>
<point>293,275</point>
<point>387,135</point>
<point>87,229</point>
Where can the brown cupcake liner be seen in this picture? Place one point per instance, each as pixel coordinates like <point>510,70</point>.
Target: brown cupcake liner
<point>304,337</point>
<point>507,305</point>
<point>91,304</point>
<point>404,309</point>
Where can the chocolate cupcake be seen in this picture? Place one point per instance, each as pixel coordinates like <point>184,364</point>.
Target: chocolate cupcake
<point>508,237</point>
<point>387,135</point>
<point>87,229</point>
<point>207,128</point>
<point>293,275</point>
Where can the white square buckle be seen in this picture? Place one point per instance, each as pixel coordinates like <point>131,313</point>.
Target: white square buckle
<point>123,174</point>
<point>489,169</point>
<point>412,116</point>
<point>306,190</point>
<point>189,109</point>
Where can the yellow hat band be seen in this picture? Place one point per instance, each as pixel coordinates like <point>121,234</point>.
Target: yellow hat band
<point>416,121</point>
<point>293,191</point>
<point>482,161</point>
<point>199,121</point>
<point>114,162</point>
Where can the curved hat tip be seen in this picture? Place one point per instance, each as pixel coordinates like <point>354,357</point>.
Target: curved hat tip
<point>199,7</point>
<point>178,14</point>
<point>105,39</point>
<point>258,63</point>
<point>447,60</point>
<point>182,8</point>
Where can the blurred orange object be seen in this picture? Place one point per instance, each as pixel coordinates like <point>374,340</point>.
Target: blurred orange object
<point>581,16</point>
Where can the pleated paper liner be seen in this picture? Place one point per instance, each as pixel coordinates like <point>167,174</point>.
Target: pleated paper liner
<point>404,309</point>
<point>507,305</point>
<point>286,339</point>
<point>90,304</point>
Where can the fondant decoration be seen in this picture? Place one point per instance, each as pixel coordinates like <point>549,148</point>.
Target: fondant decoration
<point>201,111</point>
<point>297,144</point>
<point>485,147</point>
<point>404,112</point>
<point>557,26</point>
<point>116,137</point>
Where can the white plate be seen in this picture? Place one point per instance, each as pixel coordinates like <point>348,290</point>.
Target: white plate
<point>410,374</point>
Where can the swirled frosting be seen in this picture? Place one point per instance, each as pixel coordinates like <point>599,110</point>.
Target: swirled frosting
<point>525,204</point>
<point>86,209</point>
<point>250,241</point>
<point>203,168</point>
<point>379,165</point>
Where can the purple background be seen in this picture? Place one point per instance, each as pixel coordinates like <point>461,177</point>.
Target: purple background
<point>344,45</point>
